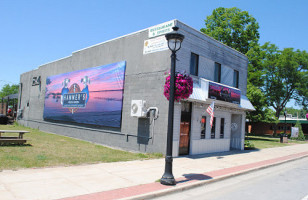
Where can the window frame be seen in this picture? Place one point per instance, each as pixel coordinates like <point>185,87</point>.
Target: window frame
<point>213,129</point>
<point>236,78</point>
<point>203,128</point>
<point>217,72</point>
<point>222,128</point>
<point>194,63</point>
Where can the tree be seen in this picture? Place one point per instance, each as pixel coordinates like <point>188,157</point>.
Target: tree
<point>277,75</point>
<point>255,81</point>
<point>302,91</point>
<point>9,89</point>
<point>285,76</point>
<point>300,113</point>
<point>233,27</point>
<point>255,74</point>
<point>281,76</point>
<point>258,100</point>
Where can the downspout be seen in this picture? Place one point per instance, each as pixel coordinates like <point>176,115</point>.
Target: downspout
<point>20,93</point>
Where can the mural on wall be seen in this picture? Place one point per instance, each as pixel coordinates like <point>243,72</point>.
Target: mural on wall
<point>224,93</point>
<point>89,96</point>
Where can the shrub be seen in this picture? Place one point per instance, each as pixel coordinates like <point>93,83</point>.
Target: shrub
<point>301,136</point>
<point>249,145</point>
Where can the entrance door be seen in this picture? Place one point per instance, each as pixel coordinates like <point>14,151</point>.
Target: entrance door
<point>236,128</point>
<point>185,128</point>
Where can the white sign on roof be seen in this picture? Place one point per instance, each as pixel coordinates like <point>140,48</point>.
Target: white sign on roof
<point>155,45</point>
<point>161,29</point>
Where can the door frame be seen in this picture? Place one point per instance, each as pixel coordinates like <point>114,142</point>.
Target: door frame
<point>189,132</point>
<point>235,135</point>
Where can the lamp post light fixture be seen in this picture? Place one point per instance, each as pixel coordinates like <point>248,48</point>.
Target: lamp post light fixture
<point>175,40</point>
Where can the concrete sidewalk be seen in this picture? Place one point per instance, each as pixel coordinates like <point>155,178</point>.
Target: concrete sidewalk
<point>136,179</point>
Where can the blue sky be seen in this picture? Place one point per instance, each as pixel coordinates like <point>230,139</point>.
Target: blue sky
<point>35,32</point>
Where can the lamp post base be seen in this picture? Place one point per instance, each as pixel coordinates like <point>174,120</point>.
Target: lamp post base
<point>168,178</point>
<point>167,181</point>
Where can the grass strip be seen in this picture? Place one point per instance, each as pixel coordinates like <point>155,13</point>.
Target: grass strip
<point>262,142</point>
<point>46,150</point>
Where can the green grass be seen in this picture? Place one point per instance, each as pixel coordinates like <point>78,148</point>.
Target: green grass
<point>45,150</point>
<point>262,142</point>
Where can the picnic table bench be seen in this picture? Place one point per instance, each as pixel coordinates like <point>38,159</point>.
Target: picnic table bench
<point>11,139</point>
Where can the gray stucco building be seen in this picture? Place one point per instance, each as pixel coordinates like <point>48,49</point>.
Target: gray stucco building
<point>146,60</point>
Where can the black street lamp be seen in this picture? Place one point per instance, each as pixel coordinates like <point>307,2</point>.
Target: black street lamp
<point>174,43</point>
<point>285,122</point>
<point>284,135</point>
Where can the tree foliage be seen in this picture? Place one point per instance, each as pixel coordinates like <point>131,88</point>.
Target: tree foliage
<point>255,74</point>
<point>281,76</point>
<point>285,76</point>
<point>255,81</point>
<point>258,100</point>
<point>9,89</point>
<point>274,76</point>
<point>301,113</point>
<point>233,27</point>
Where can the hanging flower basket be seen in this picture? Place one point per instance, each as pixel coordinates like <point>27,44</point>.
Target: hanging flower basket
<point>183,86</point>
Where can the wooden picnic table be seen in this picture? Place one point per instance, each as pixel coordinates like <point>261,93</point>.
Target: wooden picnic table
<point>12,140</point>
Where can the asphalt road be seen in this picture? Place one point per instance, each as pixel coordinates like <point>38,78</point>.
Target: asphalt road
<point>288,181</point>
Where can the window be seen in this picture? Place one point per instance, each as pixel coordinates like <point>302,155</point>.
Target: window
<point>203,127</point>
<point>235,78</point>
<point>213,129</point>
<point>194,64</point>
<point>217,73</point>
<point>222,128</point>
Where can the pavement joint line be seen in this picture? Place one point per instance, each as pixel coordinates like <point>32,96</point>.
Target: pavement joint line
<point>129,193</point>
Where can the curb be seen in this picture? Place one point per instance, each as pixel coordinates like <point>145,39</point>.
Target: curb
<point>188,186</point>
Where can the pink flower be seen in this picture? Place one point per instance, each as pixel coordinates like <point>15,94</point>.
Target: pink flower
<point>183,87</point>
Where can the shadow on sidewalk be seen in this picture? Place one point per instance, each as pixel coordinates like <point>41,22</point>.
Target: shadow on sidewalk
<point>192,177</point>
<point>220,155</point>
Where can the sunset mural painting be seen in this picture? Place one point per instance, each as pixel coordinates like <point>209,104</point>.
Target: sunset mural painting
<point>89,96</point>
